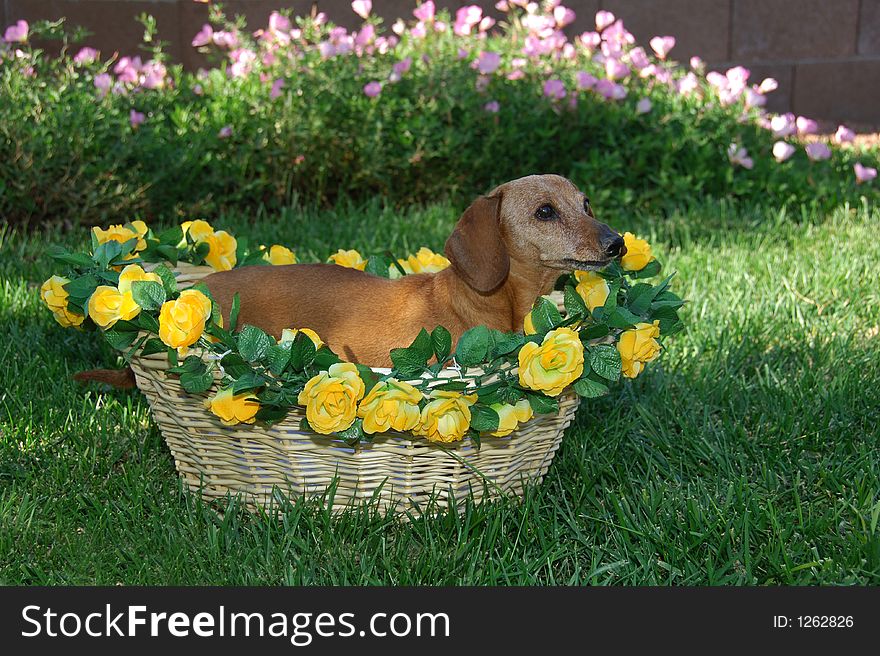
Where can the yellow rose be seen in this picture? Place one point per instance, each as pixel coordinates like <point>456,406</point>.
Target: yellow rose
<point>637,347</point>
<point>510,416</point>
<point>222,255</point>
<point>638,253</point>
<point>141,229</point>
<point>182,321</point>
<point>122,234</point>
<point>351,259</point>
<point>331,398</point>
<point>424,261</point>
<point>279,255</point>
<point>391,405</point>
<point>593,288</point>
<point>447,417</point>
<point>107,305</point>
<point>234,409</point>
<point>135,273</point>
<point>55,297</point>
<point>555,364</point>
<point>199,230</point>
<point>289,334</point>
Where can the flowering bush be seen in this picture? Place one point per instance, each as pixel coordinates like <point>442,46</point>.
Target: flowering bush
<point>434,106</point>
<point>612,325</point>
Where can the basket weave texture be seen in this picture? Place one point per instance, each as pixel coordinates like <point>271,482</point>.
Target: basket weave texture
<point>400,471</point>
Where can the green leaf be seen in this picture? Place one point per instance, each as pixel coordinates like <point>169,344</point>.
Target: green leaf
<point>378,266</point>
<point>278,357</point>
<point>269,414</point>
<point>504,343</point>
<point>169,282</point>
<point>595,331</point>
<point>651,269</point>
<point>80,260</point>
<point>302,352</point>
<point>354,433</point>
<point>107,252</point>
<point>483,418</point>
<point>545,315</point>
<point>542,404</point>
<point>253,343</point>
<point>441,343</point>
<point>620,317</point>
<point>153,345</point>
<point>248,381</point>
<point>233,313</point>
<point>148,322</point>
<point>171,236</point>
<point>119,340</point>
<point>452,386</point>
<point>196,382</point>
<point>234,365</point>
<point>148,294</point>
<point>605,361</point>
<point>473,346</point>
<point>192,364</point>
<point>170,253</point>
<point>574,304</point>
<point>639,297</point>
<point>407,363</point>
<point>369,377</point>
<point>422,345</point>
<point>324,358</point>
<point>589,388</point>
<point>80,289</point>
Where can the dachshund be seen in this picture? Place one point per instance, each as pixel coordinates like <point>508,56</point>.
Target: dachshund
<point>507,249</point>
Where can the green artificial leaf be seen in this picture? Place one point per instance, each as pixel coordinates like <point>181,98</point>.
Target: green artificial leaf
<point>545,315</point>
<point>651,269</point>
<point>192,364</point>
<point>452,386</point>
<point>639,298</point>
<point>278,357</point>
<point>106,253</point>
<point>269,414</point>
<point>153,345</point>
<point>148,322</point>
<point>620,317</point>
<point>80,260</point>
<point>324,358</point>
<point>504,343</point>
<point>171,236</point>
<point>233,312</point>
<point>369,377</point>
<point>408,363</point>
<point>473,346</point>
<point>574,304</point>
<point>542,404</point>
<point>302,352</point>
<point>169,282</point>
<point>594,331</point>
<point>441,343</point>
<point>196,382</point>
<point>354,433</point>
<point>148,294</point>
<point>589,388</point>
<point>80,289</point>
<point>248,381</point>
<point>378,266</point>
<point>234,365</point>
<point>119,340</point>
<point>605,361</point>
<point>169,253</point>
<point>253,343</point>
<point>483,418</point>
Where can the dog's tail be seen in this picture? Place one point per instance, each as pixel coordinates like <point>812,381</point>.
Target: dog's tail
<point>119,378</point>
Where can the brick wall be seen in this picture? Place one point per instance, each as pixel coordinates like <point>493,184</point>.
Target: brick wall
<point>825,53</point>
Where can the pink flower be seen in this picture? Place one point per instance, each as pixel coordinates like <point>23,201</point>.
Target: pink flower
<point>643,106</point>
<point>364,36</point>
<point>563,16</point>
<point>400,69</point>
<point>277,86</point>
<point>768,84</point>
<point>864,173</point>
<point>783,125</point>
<point>492,107</point>
<point>488,62</point>
<point>739,156</point>
<point>225,39</point>
<point>103,82</point>
<point>482,83</point>
<point>844,135</point>
<point>590,40</point>
<point>462,53</point>
<point>662,45</point>
<point>17,33</point>
<point>399,27</point>
<point>610,90</point>
<point>554,89</point>
<point>615,69</point>
<point>128,69</point>
<point>782,151</point>
<point>198,90</point>
<point>806,125</point>
<point>225,132</point>
<point>373,89</point>
<point>466,18</point>
<point>687,84</point>
<point>153,75</point>
<point>697,64</point>
<point>638,58</point>
<point>136,118</point>
<point>362,8</point>
<point>243,60</point>
<point>603,20</point>
<point>585,80</point>
<point>425,11</point>
<point>279,22</point>
<point>204,37</point>
<point>817,151</point>
<point>86,56</point>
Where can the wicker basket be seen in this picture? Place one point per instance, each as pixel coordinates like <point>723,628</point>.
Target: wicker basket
<point>401,472</point>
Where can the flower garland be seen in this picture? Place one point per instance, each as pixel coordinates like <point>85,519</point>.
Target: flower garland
<point>612,326</point>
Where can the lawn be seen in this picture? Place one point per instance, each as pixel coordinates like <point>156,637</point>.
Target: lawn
<point>747,455</point>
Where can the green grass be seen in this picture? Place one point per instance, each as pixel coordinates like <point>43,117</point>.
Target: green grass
<point>747,455</point>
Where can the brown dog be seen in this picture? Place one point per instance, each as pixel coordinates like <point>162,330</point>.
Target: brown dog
<point>508,248</point>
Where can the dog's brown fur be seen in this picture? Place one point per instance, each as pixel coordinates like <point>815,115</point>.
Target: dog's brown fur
<point>502,257</point>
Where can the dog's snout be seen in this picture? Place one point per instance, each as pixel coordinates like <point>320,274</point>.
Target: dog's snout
<point>613,245</point>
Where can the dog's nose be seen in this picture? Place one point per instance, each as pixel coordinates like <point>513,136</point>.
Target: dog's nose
<point>615,247</point>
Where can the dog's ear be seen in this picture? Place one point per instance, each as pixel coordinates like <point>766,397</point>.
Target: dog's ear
<point>476,248</point>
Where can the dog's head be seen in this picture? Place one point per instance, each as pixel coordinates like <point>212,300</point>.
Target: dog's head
<point>540,222</point>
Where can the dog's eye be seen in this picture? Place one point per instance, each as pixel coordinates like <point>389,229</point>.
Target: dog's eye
<point>545,213</point>
<point>587,208</point>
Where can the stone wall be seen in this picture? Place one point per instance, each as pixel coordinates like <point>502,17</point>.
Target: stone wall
<point>825,53</point>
